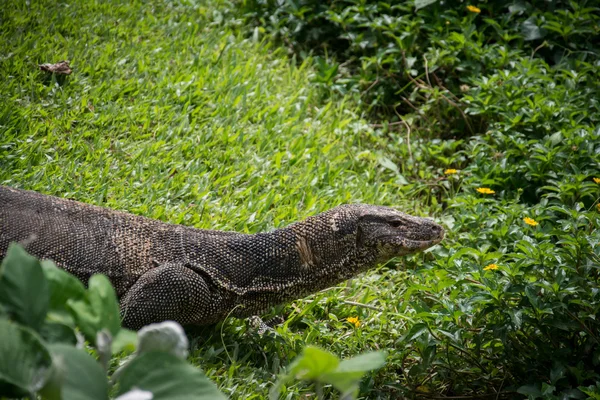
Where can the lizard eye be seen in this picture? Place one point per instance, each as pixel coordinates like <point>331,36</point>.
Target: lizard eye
<point>395,223</point>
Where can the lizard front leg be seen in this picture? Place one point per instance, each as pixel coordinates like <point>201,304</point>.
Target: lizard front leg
<point>169,292</point>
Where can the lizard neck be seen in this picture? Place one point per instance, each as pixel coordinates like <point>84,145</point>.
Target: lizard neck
<point>301,259</point>
<point>311,255</point>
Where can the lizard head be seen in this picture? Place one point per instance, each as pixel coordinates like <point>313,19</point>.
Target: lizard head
<point>394,233</point>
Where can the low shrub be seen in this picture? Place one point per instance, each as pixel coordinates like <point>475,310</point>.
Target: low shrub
<point>490,115</point>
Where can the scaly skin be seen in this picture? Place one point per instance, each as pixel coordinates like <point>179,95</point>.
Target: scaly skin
<point>163,272</point>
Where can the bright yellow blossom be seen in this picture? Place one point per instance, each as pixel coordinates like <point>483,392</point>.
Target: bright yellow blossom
<point>530,221</point>
<point>450,171</point>
<point>473,9</point>
<point>490,267</point>
<point>353,320</point>
<point>485,191</point>
<point>597,180</point>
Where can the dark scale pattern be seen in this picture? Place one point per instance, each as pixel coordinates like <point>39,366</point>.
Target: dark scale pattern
<point>171,272</point>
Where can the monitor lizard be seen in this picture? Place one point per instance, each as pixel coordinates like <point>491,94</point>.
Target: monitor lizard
<point>164,271</point>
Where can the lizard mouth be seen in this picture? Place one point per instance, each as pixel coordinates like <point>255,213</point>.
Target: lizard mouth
<point>402,244</point>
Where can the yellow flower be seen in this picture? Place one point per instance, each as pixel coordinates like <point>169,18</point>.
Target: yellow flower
<point>530,221</point>
<point>490,267</point>
<point>473,9</point>
<point>353,320</point>
<point>485,191</point>
<point>598,207</point>
<point>597,180</point>
<point>450,171</point>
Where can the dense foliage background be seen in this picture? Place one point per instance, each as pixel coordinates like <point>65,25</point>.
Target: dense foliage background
<point>250,114</point>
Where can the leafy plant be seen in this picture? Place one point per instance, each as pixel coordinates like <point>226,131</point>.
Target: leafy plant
<point>322,368</point>
<point>38,358</point>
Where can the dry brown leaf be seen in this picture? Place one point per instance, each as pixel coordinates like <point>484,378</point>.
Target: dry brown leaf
<point>61,67</point>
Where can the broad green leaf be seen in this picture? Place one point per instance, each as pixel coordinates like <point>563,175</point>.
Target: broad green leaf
<point>98,310</point>
<point>24,290</point>
<point>363,362</point>
<point>389,164</point>
<point>63,286</point>
<point>313,363</point>
<point>77,375</point>
<point>349,372</point>
<point>103,298</point>
<point>517,7</point>
<point>416,331</point>
<point>531,391</point>
<point>531,31</point>
<point>556,138</point>
<point>56,332</point>
<point>167,377</point>
<point>423,3</point>
<point>167,337</point>
<point>25,362</point>
<point>310,365</point>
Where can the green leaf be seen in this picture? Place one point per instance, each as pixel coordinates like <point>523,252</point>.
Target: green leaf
<point>25,362</point>
<point>98,310</point>
<point>556,138</point>
<point>125,340</point>
<point>349,372</point>
<point>56,332</point>
<point>23,287</point>
<point>167,377</point>
<point>531,31</point>
<point>530,390</point>
<point>168,337</point>
<point>315,364</point>
<point>77,375</point>
<point>389,164</point>
<point>423,3</point>
<point>312,363</point>
<point>416,331</point>
<point>63,286</point>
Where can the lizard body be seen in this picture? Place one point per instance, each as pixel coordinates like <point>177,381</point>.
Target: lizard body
<point>162,271</point>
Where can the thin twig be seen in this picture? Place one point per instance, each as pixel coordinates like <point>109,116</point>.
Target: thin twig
<point>427,70</point>
<point>411,105</point>
<point>461,112</point>
<point>544,43</point>
<point>440,84</point>
<point>474,281</point>
<point>465,353</point>
<point>583,325</point>
<point>407,137</point>
<point>319,390</point>
<point>375,82</point>
<point>500,388</point>
<point>223,337</point>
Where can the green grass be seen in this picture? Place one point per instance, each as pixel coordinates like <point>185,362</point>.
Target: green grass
<point>172,115</point>
<point>182,111</point>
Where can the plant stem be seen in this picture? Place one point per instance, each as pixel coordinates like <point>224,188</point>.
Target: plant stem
<point>319,390</point>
